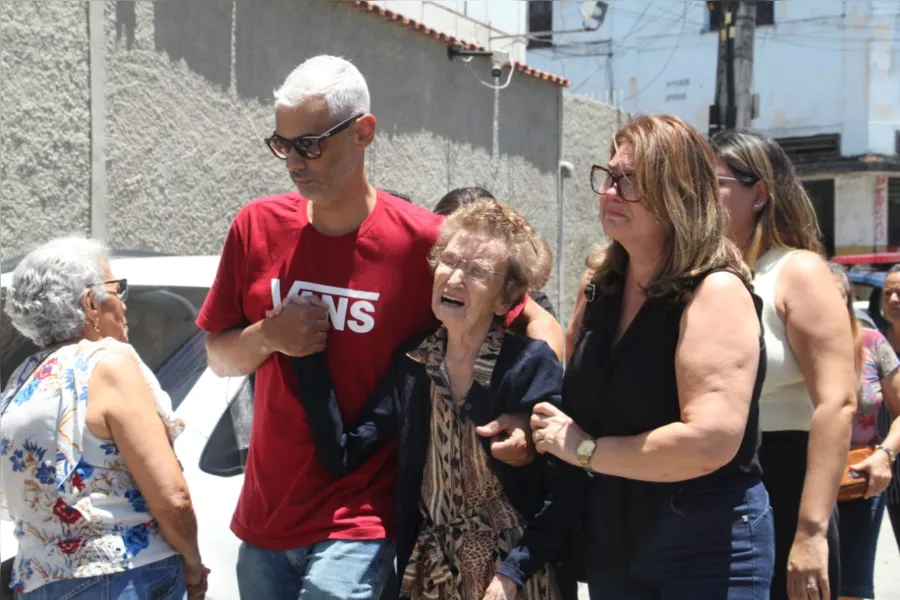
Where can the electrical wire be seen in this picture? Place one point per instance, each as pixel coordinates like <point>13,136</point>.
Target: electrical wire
<point>668,61</point>
<point>616,49</point>
<point>634,27</point>
<point>468,60</point>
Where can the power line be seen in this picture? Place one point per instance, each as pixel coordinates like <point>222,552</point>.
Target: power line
<point>634,27</point>
<point>669,60</point>
<point>612,50</point>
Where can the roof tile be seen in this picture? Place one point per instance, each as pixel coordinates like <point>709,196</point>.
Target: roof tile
<point>413,25</point>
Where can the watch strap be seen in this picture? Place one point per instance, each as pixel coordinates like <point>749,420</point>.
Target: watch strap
<point>892,455</point>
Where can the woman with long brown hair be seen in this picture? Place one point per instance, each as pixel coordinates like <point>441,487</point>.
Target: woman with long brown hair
<point>660,394</point>
<point>808,401</point>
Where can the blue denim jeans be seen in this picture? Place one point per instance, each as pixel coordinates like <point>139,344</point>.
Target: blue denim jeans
<point>331,570</point>
<point>162,580</point>
<point>712,541</point>
<point>859,522</point>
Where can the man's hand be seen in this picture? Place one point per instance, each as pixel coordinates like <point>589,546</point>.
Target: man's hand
<point>298,327</point>
<point>510,439</point>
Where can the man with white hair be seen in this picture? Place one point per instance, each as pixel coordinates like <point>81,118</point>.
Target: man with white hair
<point>352,259</point>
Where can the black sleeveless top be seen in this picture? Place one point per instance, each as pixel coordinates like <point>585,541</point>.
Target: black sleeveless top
<point>630,388</point>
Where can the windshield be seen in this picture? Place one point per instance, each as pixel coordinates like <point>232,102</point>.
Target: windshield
<point>160,327</point>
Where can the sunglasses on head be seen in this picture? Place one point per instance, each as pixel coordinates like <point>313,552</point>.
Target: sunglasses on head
<point>308,146</point>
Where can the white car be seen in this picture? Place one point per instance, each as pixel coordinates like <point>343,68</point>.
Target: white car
<point>165,293</point>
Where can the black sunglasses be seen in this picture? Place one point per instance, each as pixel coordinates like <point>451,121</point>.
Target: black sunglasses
<point>308,146</point>
<point>121,287</point>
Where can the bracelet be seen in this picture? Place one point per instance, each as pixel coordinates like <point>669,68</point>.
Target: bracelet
<point>892,455</point>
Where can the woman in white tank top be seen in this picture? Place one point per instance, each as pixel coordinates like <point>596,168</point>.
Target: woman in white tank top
<point>808,401</point>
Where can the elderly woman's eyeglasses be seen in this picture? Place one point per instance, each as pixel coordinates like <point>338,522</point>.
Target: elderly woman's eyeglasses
<point>474,270</point>
<point>307,146</point>
<point>602,180</point>
<point>121,287</point>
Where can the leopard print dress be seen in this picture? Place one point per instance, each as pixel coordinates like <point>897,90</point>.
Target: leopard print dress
<point>468,525</point>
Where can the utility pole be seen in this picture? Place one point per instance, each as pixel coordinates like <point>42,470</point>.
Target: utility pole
<point>744,33</point>
<point>734,105</point>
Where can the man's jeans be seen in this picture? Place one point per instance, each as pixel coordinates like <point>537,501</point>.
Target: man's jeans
<point>331,570</point>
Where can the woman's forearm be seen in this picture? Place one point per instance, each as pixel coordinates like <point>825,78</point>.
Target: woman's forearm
<point>674,452</point>
<point>829,441</point>
<point>892,440</point>
<point>178,524</point>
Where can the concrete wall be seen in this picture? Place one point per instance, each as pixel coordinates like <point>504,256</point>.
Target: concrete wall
<point>884,76</point>
<point>588,127</point>
<point>861,212</point>
<point>45,145</point>
<point>188,95</point>
<point>190,88</point>
<point>854,213</point>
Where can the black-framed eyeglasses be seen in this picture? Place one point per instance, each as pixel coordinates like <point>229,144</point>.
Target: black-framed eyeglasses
<point>602,180</point>
<point>121,287</point>
<point>308,146</point>
<point>474,270</point>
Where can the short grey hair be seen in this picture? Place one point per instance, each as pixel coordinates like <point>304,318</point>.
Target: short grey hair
<point>44,301</point>
<point>334,79</point>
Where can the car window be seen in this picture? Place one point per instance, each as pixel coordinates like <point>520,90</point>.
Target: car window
<point>160,327</point>
<point>14,347</point>
<point>225,454</point>
<point>161,321</point>
<point>180,372</point>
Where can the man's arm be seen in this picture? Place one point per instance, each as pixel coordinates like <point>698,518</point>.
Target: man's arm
<point>539,324</point>
<point>237,351</point>
<point>299,329</point>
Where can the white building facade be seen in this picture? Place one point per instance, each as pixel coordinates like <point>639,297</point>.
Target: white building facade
<point>827,75</point>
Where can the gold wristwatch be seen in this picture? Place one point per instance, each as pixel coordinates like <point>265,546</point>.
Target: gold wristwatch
<point>585,451</point>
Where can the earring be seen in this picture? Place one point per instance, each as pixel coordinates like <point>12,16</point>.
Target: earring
<point>97,326</point>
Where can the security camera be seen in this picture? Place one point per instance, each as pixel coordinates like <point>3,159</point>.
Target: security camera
<point>499,59</point>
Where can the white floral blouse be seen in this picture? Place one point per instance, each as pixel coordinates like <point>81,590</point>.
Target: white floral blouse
<point>76,508</point>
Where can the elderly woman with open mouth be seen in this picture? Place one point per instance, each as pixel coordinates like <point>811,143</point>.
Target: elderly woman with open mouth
<point>469,527</point>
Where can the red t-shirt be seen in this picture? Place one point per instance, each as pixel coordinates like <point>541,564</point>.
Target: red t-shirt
<point>377,283</point>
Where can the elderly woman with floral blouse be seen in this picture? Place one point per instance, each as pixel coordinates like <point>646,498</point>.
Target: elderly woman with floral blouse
<point>87,470</point>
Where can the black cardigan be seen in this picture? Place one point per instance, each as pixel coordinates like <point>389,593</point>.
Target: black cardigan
<point>548,493</point>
